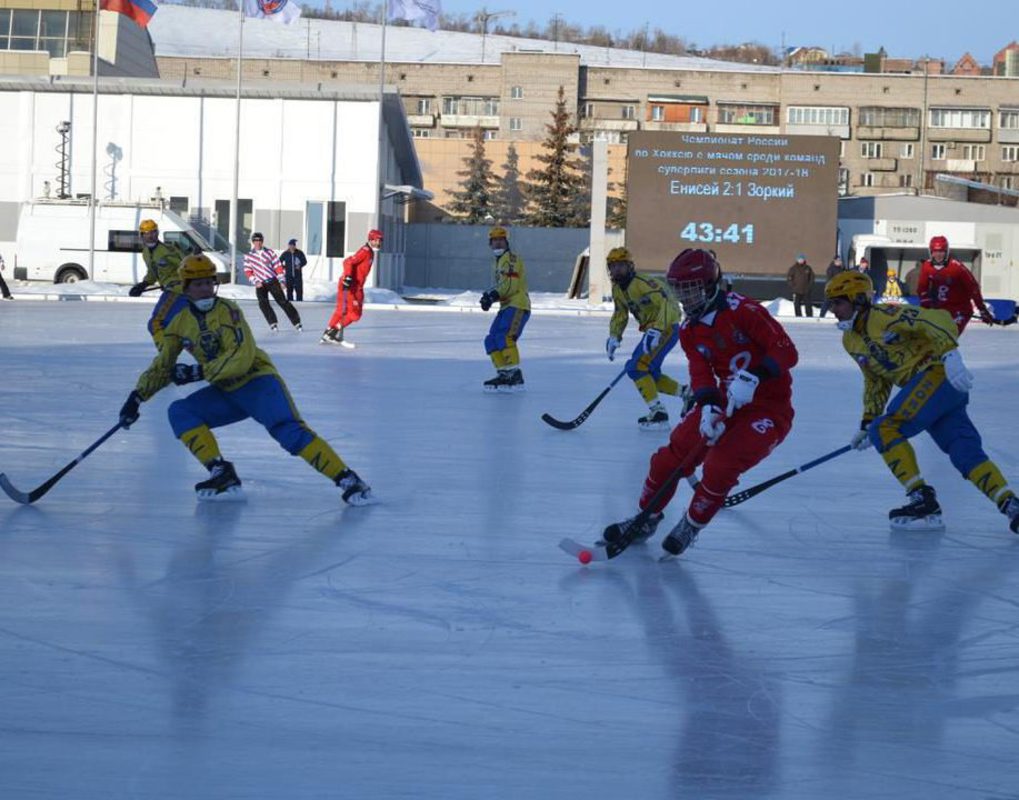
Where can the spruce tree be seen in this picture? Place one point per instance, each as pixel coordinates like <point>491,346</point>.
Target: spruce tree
<point>473,204</point>
<point>508,202</point>
<point>553,190</point>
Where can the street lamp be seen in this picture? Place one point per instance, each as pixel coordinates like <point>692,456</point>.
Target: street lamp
<point>483,17</point>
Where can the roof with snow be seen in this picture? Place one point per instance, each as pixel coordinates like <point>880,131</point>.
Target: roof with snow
<point>173,32</point>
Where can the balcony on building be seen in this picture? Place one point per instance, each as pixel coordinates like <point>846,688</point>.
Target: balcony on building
<point>818,121</point>
<point>470,112</point>
<point>888,123</point>
<point>677,112</point>
<point>747,118</point>
<point>959,124</point>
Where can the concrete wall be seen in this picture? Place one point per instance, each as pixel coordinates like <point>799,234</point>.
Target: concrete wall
<point>457,256</point>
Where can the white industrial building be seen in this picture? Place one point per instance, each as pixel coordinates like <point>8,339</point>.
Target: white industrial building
<point>308,159</point>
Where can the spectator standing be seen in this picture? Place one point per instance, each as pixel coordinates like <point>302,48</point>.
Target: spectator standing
<point>913,279</point>
<point>263,268</point>
<point>801,281</point>
<point>350,290</point>
<point>3,284</point>
<point>294,261</point>
<point>834,268</point>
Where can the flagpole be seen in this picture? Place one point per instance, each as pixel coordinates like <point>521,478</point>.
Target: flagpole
<point>95,136</point>
<point>234,210</point>
<point>382,148</point>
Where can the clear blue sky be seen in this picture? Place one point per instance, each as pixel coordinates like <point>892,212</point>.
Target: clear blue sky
<point>941,28</point>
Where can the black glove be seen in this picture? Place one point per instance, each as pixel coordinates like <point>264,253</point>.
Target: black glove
<point>186,373</point>
<point>129,411</point>
<point>137,289</point>
<point>488,298</point>
<point>348,281</point>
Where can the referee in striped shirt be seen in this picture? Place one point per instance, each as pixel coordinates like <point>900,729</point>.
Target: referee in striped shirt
<point>264,268</point>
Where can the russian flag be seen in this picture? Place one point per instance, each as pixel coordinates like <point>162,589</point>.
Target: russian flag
<point>140,11</point>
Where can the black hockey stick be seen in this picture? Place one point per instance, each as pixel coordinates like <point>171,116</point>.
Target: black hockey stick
<point>753,491</point>
<point>624,536</point>
<point>30,497</point>
<point>569,426</point>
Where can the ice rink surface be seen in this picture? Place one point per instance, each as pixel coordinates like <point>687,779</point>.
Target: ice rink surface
<point>439,645</point>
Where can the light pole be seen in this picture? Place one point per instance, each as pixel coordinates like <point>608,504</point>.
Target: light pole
<point>921,179</point>
<point>483,17</point>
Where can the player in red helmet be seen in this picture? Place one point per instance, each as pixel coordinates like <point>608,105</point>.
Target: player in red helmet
<point>350,290</point>
<point>740,360</point>
<point>947,284</point>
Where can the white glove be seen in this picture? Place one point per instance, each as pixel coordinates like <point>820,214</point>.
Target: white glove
<point>651,339</point>
<point>960,377</point>
<point>860,440</point>
<point>610,347</point>
<point>712,423</point>
<point>742,386</point>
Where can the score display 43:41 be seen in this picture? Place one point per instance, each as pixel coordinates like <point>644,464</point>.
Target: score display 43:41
<point>708,232</point>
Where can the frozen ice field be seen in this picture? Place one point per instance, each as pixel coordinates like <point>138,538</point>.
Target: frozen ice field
<point>439,645</point>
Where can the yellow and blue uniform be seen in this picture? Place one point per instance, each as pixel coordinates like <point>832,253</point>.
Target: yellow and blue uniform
<point>654,308</point>
<point>899,345</point>
<point>162,263</point>
<point>243,382</point>
<point>514,312</point>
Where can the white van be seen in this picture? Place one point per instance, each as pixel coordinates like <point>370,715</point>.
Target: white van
<point>52,241</point>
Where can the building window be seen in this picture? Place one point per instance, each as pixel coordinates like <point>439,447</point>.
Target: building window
<point>471,106</point>
<point>1010,152</point>
<point>424,105</point>
<point>488,134</point>
<point>657,113</point>
<point>587,111</point>
<point>1007,182</point>
<point>516,124</point>
<point>629,112</point>
<point>905,180</point>
<point>53,32</point>
<point>871,149</point>
<point>517,93</point>
<point>939,152</point>
<point>697,114</point>
<point>881,117</point>
<point>817,115</point>
<point>421,133</point>
<point>1007,120</point>
<point>974,152</point>
<point>746,114</point>
<point>867,179</point>
<point>972,118</point>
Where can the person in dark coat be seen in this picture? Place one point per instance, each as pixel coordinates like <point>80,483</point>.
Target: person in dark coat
<point>834,268</point>
<point>294,262</point>
<point>801,281</point>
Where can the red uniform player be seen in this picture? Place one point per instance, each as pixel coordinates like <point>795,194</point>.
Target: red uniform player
<point>350,290</point>
<point>740,359</point>
<point>945,283</point>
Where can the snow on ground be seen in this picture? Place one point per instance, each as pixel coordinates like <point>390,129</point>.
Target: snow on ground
<point>439,644</point>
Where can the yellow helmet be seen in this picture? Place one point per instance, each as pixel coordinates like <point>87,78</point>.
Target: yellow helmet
<point>618,254</point>
<point>147,226</point>
<point>849,284</point>
<point>196,266</point>
<point>498,232</point>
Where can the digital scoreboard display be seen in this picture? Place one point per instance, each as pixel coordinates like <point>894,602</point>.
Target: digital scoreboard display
<point>757,200</point>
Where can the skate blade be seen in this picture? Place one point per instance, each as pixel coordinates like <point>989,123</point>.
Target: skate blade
<point>932,522</point>
<point>511,389</point>
<point>365,498</point>
<point>235,494</point>
<point>348,345</point>
<point>653,426</point>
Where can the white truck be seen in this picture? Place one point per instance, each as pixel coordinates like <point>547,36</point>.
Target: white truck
<point>51,242</point>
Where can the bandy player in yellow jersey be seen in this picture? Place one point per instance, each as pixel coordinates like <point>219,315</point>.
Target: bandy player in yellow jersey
<point>242,383</point>
<point>915,349</point>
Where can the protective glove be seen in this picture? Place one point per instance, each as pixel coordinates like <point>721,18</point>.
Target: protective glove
<point>610,347</point>
<point>960,377</point>
<point>712,424</point>
<point>742,386</point>
<point>987,317</point>
<point>488,298</point>
<point>652,337</point>
<point>137,289</point>
<point>186,373</point>
<point>347,282</point>
<point>129,411</point>
<point>861,439</point>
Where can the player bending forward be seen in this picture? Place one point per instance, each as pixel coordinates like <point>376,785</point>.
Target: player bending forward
<point>740,359</point>
<point>917,350</point>
<point>242,383</point>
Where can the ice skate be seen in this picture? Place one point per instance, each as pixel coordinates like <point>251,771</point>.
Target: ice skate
<point>657,418</point>
<point>500,383</point>
<point>640,531</point>
<point>1010,508</point>
<point>680,538</point>
<point>274,328</point>
<point>515,382</point>
<point>330,336</point>
<point>299,327</point>
<point>222,484</point>
<point>921,513</point>
<point>355,491</point>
